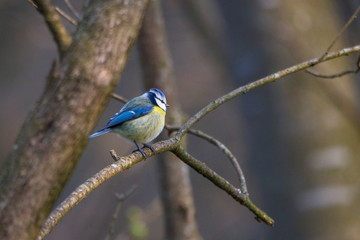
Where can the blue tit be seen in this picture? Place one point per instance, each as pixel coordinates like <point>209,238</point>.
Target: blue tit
<point>140,120</point>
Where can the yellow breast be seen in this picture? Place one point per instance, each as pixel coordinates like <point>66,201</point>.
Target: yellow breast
<point>143,129</point>
<point>159,110</point>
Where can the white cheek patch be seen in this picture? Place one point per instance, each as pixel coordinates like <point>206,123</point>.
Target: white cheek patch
<point>160,104</point>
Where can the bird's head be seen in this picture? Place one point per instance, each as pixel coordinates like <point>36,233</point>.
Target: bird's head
<point>158,98</point>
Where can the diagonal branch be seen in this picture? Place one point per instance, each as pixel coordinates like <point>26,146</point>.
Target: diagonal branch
<point>126,162</point>
<point>66,16</point>
<point>224,149</point>
<point>234,192</point>
<point>72,9</point>
<point>121,197</point>
<point>174,179</point>
<point>268,79</point>
<point>32,3</point>
<point>347,24</point>
<point>173,144</point>
<point>92,183</point>
<point>58,30</point>
<point>119,98</point>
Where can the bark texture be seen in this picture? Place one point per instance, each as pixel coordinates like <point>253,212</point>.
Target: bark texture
<point>56,132</point>
<point>176,191</point>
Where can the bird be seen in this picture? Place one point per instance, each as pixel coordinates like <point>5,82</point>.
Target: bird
<point>140,120</point>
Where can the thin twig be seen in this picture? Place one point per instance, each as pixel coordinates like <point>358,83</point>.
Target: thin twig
<point>228,153</point>
<point>99,178</point>
<point>72,9</point>
<point>224,149</point>
<point>168,145</point>
<point>352,18</point>
<point>66,16</point>
<point>118,97</point>
<point>337,75</point>
<point>121,197</point>
<point>114,155</point>
<point>32,3</point>
<point>268,79</point>
<point>174,176</point>
<point>316,74</point>
<point>58,30</point>
<point>235,193</point>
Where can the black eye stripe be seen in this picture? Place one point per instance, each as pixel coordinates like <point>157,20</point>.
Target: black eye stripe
<point>155,97</point>
<point>160,99</point>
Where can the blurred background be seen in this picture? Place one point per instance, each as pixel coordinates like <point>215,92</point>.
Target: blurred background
<point>297,140</point>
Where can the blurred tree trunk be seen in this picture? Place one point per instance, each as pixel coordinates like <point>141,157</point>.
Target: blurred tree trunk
<point>176,191</point>
<point>304,148</point>
<point>323,140</point>
<point>208,23</point>
<point>55,133</point>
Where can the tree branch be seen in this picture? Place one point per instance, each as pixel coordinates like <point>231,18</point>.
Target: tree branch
<point>126,162</point>
<point>228,154</point>
<point>356,70</point>
<point>56,132</point>
<point>120,199</point>
<point>66,16</point>
<point>347,24</point>
<point>224,149</point>
<point>234,192</point>
<point>173,145</point>
<point>58,30</point>
<point>72,9</point>
<point>32,3</point>
<point>336,75</point>
<point>119,98</point>
<point>99,178</point>
<point>268,79</point>
<point>174,178</point>
<point>351,19</point>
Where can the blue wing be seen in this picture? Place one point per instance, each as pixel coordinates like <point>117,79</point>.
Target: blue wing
<point>128,115</point>
<point>122,117</point>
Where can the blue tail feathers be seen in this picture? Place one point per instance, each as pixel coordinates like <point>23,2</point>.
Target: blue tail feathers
<point>101,132</point>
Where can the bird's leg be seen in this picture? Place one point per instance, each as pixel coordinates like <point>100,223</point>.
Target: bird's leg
<point>139,149</point>
<point>148,146</point>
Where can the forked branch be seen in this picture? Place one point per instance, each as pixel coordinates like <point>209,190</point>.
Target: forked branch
<point>173,144</point>
<point>242,198</point>
<point>268,79</point>
<point>224,149</point>
<point>347,24</point>
<point>58,30</point>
